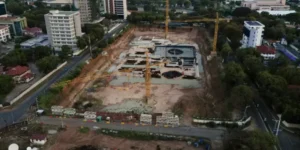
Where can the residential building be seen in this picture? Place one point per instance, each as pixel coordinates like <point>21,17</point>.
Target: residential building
<point>38,139</point>
<point>118,7</point>
<point>266,5</point>
<point>3,10</point>
<point>84,9</point>
<point>57,3</point>
<point>267,52</point>
<point>252,34</point>
<point>41,40</point>
<point>4,33</point>
<point>35,31</point>
<point>20,74</point>
<point>62,28</point>
<point>16,24</point>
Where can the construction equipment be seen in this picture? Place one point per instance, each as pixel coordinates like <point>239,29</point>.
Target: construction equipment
<point>216,20</point>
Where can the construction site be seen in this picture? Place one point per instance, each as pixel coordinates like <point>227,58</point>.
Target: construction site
<point>144,73</point>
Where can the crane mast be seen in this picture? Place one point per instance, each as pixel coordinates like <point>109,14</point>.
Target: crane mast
<point>167,19</point>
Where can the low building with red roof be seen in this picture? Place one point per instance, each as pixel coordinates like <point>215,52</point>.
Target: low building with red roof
<point>35,31</point>
<point>267,52</point>
<point>20,74</point>
<point>38,139</point>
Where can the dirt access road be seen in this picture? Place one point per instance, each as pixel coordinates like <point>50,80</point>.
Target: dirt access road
<point>94,69</point>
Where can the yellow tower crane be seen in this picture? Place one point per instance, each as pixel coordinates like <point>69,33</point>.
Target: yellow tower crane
<point>216,20</point>
<point>167,20</point>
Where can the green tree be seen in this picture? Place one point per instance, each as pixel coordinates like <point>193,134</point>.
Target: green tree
<point>15,7</point>
<point>66,8</point>
<point>13,58</point>
<point>42,51</point>
<point>241,95</point>
<point>271,83</point>
<point>249,140</point>
<point>65,52</point>
<point>234,74</point>
<point>253,65</point>
<point>187,4</point>
<point>82,42</point>
<point>241,12</point>
<point>226,50</point>
<point>245,52</point>
<point>48,63</point>
<point>6,84</point>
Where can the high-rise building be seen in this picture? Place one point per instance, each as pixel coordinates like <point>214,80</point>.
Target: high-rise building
<point>63,27</point>
<point>90,10</point>
<point>85,10</point>
<point>118,7</point>
<point>2,9</point>
<point>252,34</point>
<point>16,24</point>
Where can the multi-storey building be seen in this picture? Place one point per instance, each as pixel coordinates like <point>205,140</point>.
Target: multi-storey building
<point>85,10</point>
<point>265,4</point>
<point>2,9</point>
<point>16,24</point>
<point>4,33</point>
<point>63,27</point>
<point>118,7</point>
<point>252,34</point>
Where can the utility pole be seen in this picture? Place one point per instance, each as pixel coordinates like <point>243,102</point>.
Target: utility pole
<point>12,116</point>
<point>37,103</point>
<point>90,46</point>
<point>245,111</point>
<point>278,125</point>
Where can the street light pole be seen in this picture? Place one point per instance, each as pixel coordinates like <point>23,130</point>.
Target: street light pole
<point>245,111</point>
<point>278,125</point>
<point>90,45</point>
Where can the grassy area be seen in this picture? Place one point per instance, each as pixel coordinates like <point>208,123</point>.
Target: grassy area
<point>52,96</point>
<point>84,129</point>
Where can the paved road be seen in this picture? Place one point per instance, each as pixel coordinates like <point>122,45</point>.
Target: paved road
<point>8,117</point>
<point>213,134</point>
<point>265,119</point>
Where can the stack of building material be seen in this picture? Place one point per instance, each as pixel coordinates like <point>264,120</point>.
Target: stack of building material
<point>146,119</point>
<point>167,118</point>
<point>69,111</point>
<point>90,115</point>
<point>57,110</point>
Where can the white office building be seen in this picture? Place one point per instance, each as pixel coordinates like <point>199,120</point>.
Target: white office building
<point>4,33</point>
<point>252,34</point>
<point>63,27</point>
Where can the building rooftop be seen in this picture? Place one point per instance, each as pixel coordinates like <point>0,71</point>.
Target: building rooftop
<point>59,12</point>
<point>34,29</point>
<point>18,70</point>
<point>58,1</point>
<point>254,23</point>
<point>266,49</point>
<point>7,18</point>
<point>38,137</point>
<point>41,40</point>
<point>3,26</point>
